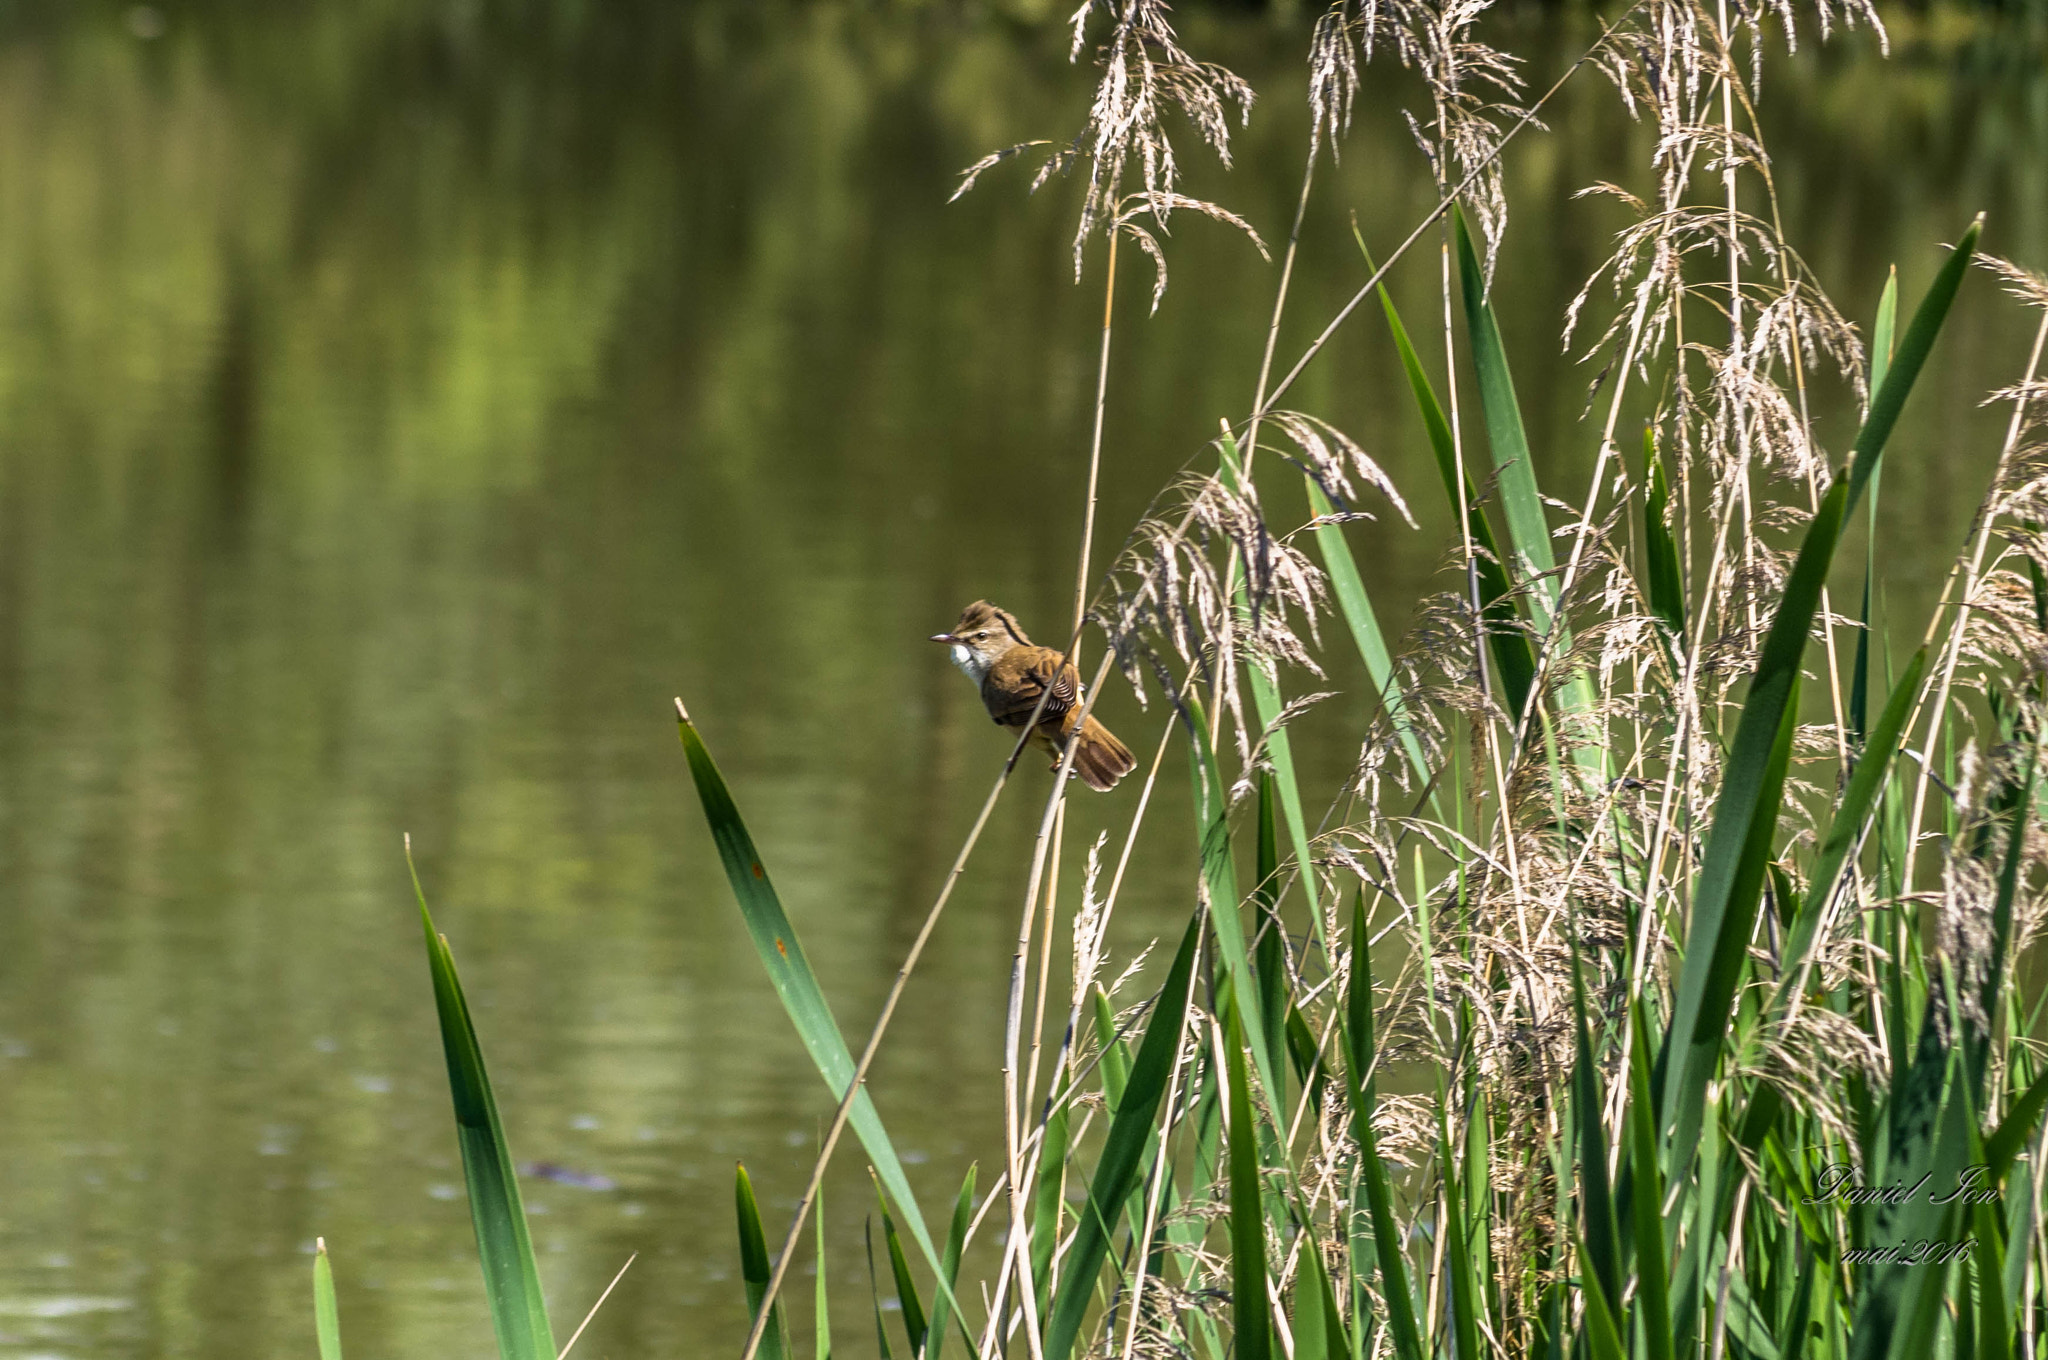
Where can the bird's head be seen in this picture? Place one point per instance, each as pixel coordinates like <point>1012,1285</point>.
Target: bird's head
<point>980,638</point>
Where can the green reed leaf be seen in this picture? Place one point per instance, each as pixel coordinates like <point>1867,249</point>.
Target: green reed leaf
<point>821,1305</point>
<point>907,1301</point>
<point>789,971</point>
<point>1603,1337</point>
<point>956,1243</point>
<point>1319,1332</point>
<point>1880,362</point>
<point>1048,1201</point>
<point>1653,1264</point>
<point>1602,1235</point>
<point>1360,1055</point>
<point>1664,577</point>
<point>2015,1129</point>
<point>1512,652</point>
<point>755,1267</point>
<point>1521,502</point>
<point>1279,746</point>
<point>1219,876</point>
<point>326,1313</point>
<point>875,1294</point>
<point>1269,948</point>
<point>1251,1312</point>
<point>1130,1128</point>
<point>1355,605</point>
<point>519,1311</point>
<point>1846,827</point>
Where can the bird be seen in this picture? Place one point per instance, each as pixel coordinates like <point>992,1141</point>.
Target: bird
<point>1012,672</point>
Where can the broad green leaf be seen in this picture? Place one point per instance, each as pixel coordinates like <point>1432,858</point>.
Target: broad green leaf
<point>519,1311</point>
<point>1653,1282</point>
<point>1664,577</point>
<point>1130,1128</point>
<point>1279,747</point>
<point>1603,1338</point>
<point>1521,503</point>
<point>1319,1332</point>
<point>821,1307</point>
<point>2013,1131</point>
<point>1845,829</point>
<point>1269,950</point>
<point>1219,876</point>
<point>796,986</point>
<point>1512,652</point>
<point>326,1314</point>
<point>1360,1055</point>
<point>1880,361</point>
<point>906,1288</point>
<point>1602,1235</point>
<point>1364,624</point>
<point>956,1242</point>
<point>755,1268</point>
<point>1251,1314</point>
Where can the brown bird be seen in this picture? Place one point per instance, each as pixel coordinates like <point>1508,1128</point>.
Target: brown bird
<point>1012,673</point>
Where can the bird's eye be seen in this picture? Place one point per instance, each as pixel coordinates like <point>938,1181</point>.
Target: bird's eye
<point>982,634</point>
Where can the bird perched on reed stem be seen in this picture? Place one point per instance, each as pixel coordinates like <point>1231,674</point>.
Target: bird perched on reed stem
<point>1012,672</point>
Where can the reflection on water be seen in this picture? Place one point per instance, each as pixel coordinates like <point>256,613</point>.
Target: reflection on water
<point>397,407</point>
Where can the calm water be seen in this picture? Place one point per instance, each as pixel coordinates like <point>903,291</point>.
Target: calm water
<point>399,404</point>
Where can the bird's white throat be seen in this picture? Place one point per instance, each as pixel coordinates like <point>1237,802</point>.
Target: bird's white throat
<point>971,663</point>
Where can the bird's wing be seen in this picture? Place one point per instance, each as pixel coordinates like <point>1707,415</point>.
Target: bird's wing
<point>1015,682</point>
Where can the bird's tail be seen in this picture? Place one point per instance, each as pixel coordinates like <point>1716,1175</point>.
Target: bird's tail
<point>1100,759</point>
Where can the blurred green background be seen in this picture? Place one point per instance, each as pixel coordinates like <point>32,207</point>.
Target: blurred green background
<point>400,402</point>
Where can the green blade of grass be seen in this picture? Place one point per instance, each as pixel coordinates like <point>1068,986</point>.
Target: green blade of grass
<point>1279,747</point>
<point>1130,1127</point>
<point>1976,1047</point>
<point>1725,952</point>
<point>1664,577</point>
<point>821,1307</point>
<point>1048,1202</point>
<point>519,1311</point>
<point>1602,1235</point>
<point>875,1295</point>
<point>1880,362</point>
<point>907,1300</point>
<point>1845,829</point>
<point>1360,1055</point>
<point>1364,624</point>
<point>789,971</point>
<point>2012,1132</point>
<point>1512,652</point>
<point>1219,876</point>
<point>326,1314</point>
<point>1653,1265</point>
<point>1319,1332</point>
<point>956,1243</point>
<point>1521,503</point>
<point>1464,1281</point>
<point>755,1267</point>
<point>1269,948</point>
<point>1603,1337</point>
<point>1715,936</point>
<point>1251,1313</point>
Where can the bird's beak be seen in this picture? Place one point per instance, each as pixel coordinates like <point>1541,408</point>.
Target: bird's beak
<point>943,637</point>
